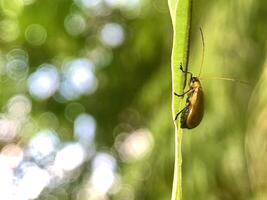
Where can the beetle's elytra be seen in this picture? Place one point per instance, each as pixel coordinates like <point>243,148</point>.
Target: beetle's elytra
<point>192,114</point>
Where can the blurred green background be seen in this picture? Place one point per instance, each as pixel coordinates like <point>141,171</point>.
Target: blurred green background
<point>85,96</point>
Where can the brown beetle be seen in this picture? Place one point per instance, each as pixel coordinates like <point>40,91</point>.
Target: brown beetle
<point>193,112</point>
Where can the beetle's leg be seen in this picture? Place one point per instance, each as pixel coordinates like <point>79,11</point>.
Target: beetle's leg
<point>179,113</point>
<point>181,95</point>
<point>186,72</point>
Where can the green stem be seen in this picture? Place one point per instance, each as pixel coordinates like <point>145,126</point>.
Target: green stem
<point>177,179</point>
<point>181,12</point>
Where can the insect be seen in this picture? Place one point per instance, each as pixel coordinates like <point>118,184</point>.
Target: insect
<point>192,113</point>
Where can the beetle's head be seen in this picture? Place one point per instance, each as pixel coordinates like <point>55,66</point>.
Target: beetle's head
<point>194,82</point>
<point>194,79</point>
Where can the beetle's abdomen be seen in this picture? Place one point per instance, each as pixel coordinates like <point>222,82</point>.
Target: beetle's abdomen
<point>193,113</point>
<point>196,109</point>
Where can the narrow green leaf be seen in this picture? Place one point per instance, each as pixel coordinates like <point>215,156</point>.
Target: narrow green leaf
<point>180,11</point>
<point>172,7</point>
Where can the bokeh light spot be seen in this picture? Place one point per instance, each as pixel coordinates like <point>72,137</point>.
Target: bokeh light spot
<point>6,180</point>
<point>17,54</point>
<point>84,129</point>
<point>49,119</point>
<point>19,106</point>
<point>103,173</point>
<point>70,157</point>
<point>43,144</point>
<point>36,34</point>
<point>127,4</point>
<point>9,30</point>
<point>79,79</point>
<point>8,129</point>
<point>17,69</point>
<point>88,4</point>
<point>11,8</point>
<point>34,178</point>
<point>101,56</point>
<point>43,83</point>
<point>112,35</point>
<point>134,146</point>
<point>13,155</point>
<point>17,64</point>
<point>75,24</point>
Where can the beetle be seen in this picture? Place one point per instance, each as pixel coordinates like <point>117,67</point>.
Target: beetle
<point>193,112</point>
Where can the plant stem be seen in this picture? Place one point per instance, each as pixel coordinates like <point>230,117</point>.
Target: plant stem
<point>177,179</point>
<point>180,11</point>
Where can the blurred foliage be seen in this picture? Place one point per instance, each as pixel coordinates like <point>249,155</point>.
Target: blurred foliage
<point>133,93</point>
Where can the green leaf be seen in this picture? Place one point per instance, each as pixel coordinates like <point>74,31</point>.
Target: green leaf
<point>172,7</point>
<point>181,12</point>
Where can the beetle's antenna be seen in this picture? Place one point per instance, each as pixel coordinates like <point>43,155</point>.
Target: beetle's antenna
<point>226,79</point>
<point>203,51</point>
